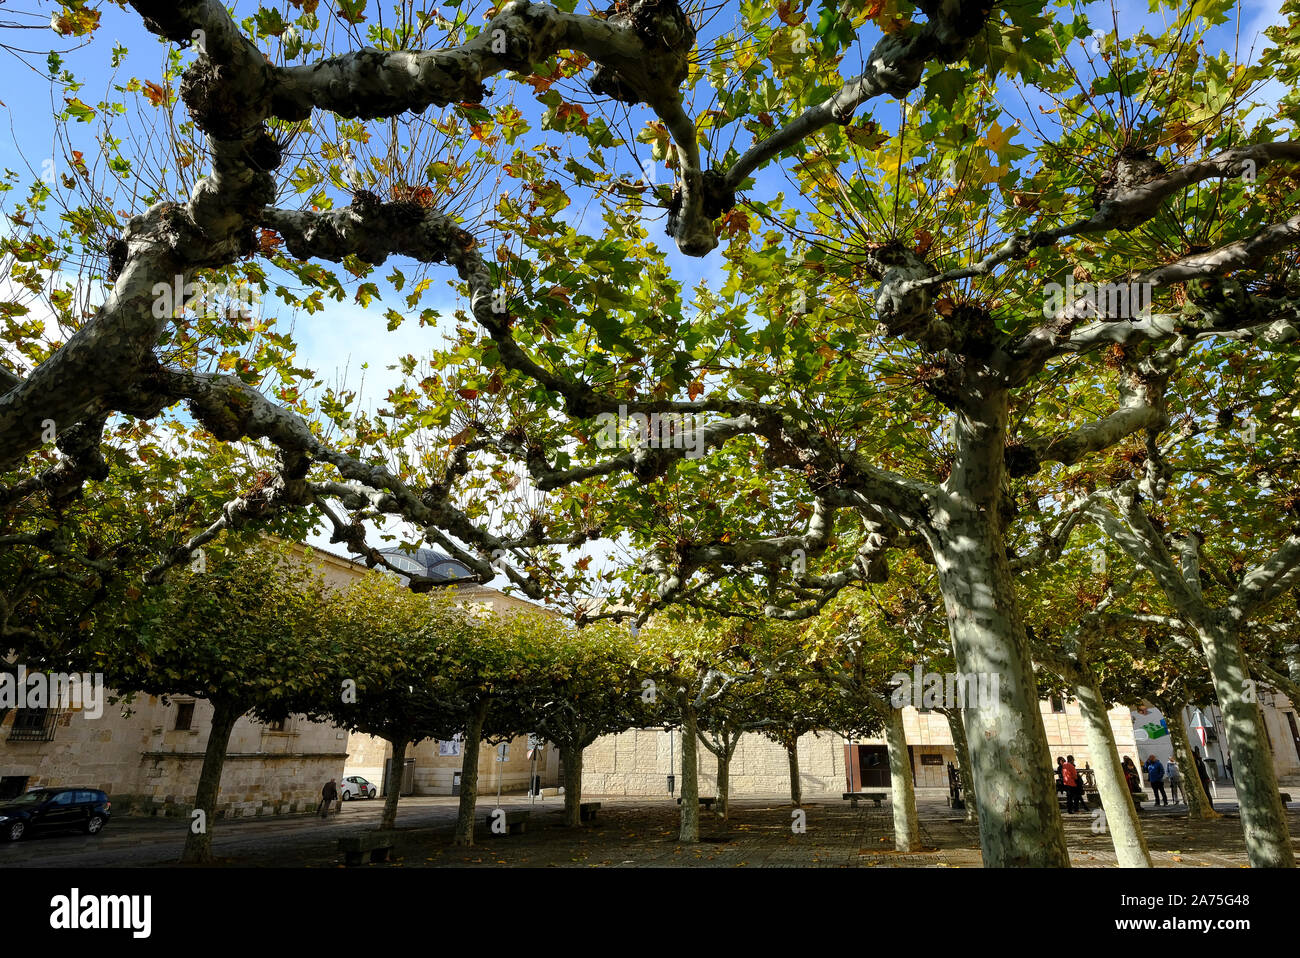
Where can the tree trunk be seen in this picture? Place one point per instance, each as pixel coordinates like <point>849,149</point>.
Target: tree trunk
<point>958,732</point>
<point>1263,817</point>
<point>796,786</point>
<point>1020,822</point>
<point>1198,803</point>
<point>690,830</point>
<point>396,772</point>
<point>907,830</point>
<point>572,758</point>
<point>198,845</point>
<point>1116,799</point>
<point>724,774</point>
<point>464,834</point>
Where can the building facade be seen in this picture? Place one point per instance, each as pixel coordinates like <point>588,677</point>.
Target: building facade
<point>1205,731</point>
<point>147,754</point>
<point>640,761</point>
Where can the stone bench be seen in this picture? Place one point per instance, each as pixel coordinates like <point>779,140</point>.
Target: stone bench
<point>706,802</point>
<point>515,819</point>
<point>587,811</point>
<point>355,848</point>
<point>854,797</point>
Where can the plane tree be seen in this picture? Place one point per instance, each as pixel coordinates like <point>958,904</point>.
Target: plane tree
<point>388,675</point>
<point>586,689</point>
<point>859,653</point>
<point>695,666</point>
<point>245,635</point>
<point>877,364</point>
<point>1218,579</point>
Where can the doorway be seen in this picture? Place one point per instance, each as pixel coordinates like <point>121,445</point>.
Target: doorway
<point>869,768</point>
<point>408,777</point>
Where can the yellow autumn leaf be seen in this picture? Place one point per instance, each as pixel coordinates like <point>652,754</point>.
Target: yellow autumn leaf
<point>997,139</point>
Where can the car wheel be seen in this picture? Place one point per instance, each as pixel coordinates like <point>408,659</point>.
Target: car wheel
<point>15,830</point>
<point>347,796</point>
<point>95,825</point>
<point>372,793</point>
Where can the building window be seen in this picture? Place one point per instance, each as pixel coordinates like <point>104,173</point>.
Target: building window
<point>32,725</point>
<point>279,725</point>
<point>184,716</point>
<point>1058,704</point>
<point>931,758</point>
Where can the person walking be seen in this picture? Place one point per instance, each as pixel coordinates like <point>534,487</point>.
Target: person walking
<point>1060,782</point>
<point>1156,776</point>
<point>328,794</point>
<point>1073,790</point>
<point>1175,776</point>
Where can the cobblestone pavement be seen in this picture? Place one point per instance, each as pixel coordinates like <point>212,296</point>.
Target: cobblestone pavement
<point>631,833</point>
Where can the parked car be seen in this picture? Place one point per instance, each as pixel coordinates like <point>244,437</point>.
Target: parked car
<point>47,809</point>
<point>354,786</point>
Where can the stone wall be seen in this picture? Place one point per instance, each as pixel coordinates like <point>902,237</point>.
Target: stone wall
<point>149,767</point>
<point>638,762</point>
<point>435,772</point>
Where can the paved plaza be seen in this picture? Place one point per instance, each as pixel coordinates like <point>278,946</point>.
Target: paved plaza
<point>632,833</point>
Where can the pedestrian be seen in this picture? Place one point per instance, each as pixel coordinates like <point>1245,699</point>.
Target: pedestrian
<point>1228,767</point>
<point>327,795</point>
<point>1060,782</point>
<point>1175,776</point>
<point>1073,790</point>
<point>1202,774</point>
<point>1156,776</point>
<point>1131,775</point>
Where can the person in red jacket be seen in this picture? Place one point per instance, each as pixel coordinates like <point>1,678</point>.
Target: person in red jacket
<point>1073,790</point>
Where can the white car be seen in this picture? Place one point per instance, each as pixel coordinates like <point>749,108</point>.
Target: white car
<point>354,786</point>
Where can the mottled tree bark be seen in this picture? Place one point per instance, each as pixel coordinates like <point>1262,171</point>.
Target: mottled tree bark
<point>198,845</point>
<point>1116,799</point>
<point>1292,655</point>
<point>1020,822</point>
<point>796,786</point>
<point>572,757</point>
<point>724,780</point>
<point>464,834</point>
<point>958,732</point>
<point>907,829</point>
<point>1263,816</point>
<point>396,771</point>
<point>690,827</point>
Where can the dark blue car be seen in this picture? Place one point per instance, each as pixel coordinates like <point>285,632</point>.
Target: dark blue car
<point>47,809</point>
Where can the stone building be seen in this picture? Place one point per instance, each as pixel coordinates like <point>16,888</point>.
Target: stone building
<point>639,761</point>
<point>147,755</point>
